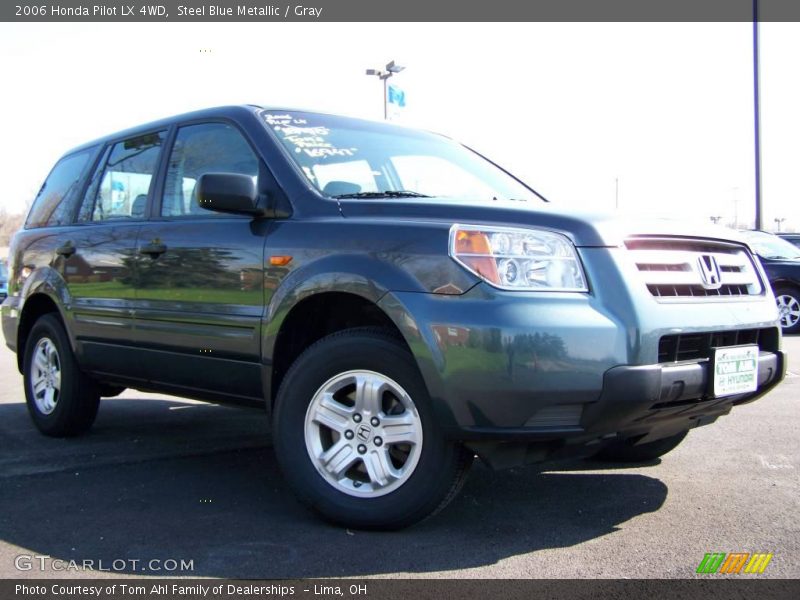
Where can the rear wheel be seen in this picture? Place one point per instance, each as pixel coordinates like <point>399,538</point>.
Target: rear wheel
<point>788,300</point>
<point>61,399</point>
<point>625,451</point>
<point>355,435</point>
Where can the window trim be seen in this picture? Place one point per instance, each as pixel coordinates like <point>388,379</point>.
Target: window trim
<point>101,159</point>
<point>101,162</point>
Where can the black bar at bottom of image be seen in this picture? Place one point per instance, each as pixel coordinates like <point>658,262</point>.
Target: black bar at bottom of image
<point>396,589</point>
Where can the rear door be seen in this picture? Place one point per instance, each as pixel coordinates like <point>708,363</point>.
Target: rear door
<point>199,293</point>
<point>98,260</point>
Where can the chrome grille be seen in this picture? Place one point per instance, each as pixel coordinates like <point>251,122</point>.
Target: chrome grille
<point>677,268</point>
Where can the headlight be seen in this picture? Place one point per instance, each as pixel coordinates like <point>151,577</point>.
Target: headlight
<point>518,259</point>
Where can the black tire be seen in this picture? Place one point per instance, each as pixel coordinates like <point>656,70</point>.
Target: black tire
<point>442,465</point>
<point>625,451</point>
<point>790,298</point>
<point>76,400</point>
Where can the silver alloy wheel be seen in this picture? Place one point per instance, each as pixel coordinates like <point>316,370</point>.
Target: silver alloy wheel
<point>363,433</point>
<point>789,310</point>
<point>45,376</point>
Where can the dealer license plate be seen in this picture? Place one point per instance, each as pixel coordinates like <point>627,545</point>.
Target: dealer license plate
<point>735,370</point>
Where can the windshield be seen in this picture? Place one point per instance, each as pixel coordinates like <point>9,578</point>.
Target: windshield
<point>767,245</point>
<point>3,271</point>
<point>349,158</point>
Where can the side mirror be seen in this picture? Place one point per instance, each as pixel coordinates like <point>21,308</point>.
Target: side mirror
<point>228,193</point>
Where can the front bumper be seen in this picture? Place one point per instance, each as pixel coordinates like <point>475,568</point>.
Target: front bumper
<point>640,403</point>
<point>547,375</point>
<point>660,400</point>
<point>649,401</point>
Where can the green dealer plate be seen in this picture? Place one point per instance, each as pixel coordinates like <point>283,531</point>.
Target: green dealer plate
<point>735,370</point>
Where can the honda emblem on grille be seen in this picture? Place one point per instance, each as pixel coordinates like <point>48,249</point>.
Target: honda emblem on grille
<point>709,272</point>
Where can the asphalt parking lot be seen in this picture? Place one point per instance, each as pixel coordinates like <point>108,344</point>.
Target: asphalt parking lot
<point>163,478</point>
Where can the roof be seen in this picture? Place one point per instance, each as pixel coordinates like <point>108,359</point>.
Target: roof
<point>219,111</point>
<point>231,111</point>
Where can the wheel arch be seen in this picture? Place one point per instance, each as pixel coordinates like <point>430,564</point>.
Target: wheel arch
<point>784,282</point>
<point>794,288</point>
<point>305,318</point>
<point>36,305</point>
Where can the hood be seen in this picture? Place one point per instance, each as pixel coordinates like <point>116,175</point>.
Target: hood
<point>585,229</point>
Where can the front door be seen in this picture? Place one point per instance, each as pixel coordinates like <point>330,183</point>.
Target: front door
<point>200,293</point>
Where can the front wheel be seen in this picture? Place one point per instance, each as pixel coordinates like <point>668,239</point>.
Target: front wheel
<point>355,436</point>
<point>61,399</point>
<point>625,451</point>
<point>788,300</point>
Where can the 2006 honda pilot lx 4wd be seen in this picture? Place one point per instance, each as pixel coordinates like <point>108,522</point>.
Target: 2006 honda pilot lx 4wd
<point>397,303</point>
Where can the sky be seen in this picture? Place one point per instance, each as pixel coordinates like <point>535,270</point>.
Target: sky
<point>655,118</point>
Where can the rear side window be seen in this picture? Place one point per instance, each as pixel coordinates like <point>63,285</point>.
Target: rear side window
<point>55,203</point>
<point>120,186</point>
<point>198,149</point>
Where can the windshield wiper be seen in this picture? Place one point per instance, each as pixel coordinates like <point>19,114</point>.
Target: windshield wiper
<point>383,194</point>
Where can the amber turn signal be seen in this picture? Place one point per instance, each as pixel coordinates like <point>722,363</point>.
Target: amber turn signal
<point>280,261</point>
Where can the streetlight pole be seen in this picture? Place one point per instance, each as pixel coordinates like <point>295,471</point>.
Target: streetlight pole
<point>384,75</point>
<point>757,113</point>
<point>385,97</point>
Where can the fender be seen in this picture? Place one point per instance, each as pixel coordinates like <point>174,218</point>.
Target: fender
<point>369,260</point>
<point>358,274</point>
<point>46,281</point>
<point>373,280</point>
<point>785,282</point>
<point>420,338</point>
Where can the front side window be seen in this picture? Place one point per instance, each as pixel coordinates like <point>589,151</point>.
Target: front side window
<point>199,149</point>
<point>120,190</point>
<point>55,203</point>
<point>350,158</point>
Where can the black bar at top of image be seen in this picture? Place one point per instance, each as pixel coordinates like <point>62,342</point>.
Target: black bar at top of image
<point>396,10</point>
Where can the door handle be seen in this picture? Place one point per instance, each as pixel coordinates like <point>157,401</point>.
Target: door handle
<point>66,250</point>
<point>153,250</point>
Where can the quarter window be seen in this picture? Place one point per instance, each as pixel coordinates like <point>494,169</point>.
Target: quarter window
<point>55,203</point>
<point>199,149</point>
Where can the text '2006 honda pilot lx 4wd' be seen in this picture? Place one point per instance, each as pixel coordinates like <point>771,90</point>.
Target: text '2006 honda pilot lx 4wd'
<point>397,302</point>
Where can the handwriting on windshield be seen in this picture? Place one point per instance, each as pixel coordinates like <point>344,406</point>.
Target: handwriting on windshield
<point>306,139</point>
